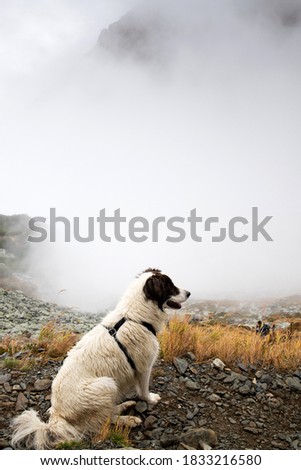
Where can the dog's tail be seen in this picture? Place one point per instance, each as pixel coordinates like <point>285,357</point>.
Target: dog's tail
<point>32,433</point>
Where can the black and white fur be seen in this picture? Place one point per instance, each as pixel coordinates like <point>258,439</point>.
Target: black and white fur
<point>97,375</point>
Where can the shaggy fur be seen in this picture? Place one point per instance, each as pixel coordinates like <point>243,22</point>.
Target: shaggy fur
<point>97,375</point>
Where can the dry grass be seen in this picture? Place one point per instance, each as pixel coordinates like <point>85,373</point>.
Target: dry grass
<point>230,344</point>
<point>52,343</point>
<point>206,341</point>
<point>116,433</point>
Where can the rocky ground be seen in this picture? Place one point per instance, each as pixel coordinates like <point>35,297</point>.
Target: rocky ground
<point>20,313</point>
<point>246,406</point>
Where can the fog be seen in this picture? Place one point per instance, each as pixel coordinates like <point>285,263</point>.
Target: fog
<point>202,111</point>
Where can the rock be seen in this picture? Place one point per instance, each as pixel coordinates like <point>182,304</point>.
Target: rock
<point>168,440</point>
<point>218,364</point>
<point>191,414</point>
<point>252,430</point>
<point>180,364</point>
<point>154,433</point>
<point>220,376</point>
<point>232,421</point>
<point>141,406</point>
<point>294,383</point>
<point>278,445</point>
<point>235,376</point>
<point>266,378</point>
<point>230,379</point>
<point>42,384</point>
<point>242,367</point>
<point>16,387</point>
<point>22,402</point>
<point>213,397</point>
<point>199,438</point>
<point>149,422</point>
<point>5,378</point>
<point>7,387</point>
<point>259,374</point>
<point>244,390</point>
<point>192,385</point>
<point>191,355</point>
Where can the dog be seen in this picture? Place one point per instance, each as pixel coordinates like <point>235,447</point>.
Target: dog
<point>108,364</point>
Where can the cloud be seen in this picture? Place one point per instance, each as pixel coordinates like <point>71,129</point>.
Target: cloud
<point>201,112</point>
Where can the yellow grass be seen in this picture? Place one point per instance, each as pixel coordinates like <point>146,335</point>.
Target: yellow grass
<point>206,341</point>
<point>52,343</point>
<point>117,433</point>
<point>229,343</point>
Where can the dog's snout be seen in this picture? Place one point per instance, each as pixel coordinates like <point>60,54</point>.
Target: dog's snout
<point>188,294</point>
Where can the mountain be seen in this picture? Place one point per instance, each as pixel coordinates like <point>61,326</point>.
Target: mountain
<point>13,252</point>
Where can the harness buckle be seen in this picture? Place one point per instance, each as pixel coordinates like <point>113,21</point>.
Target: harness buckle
<point>112,332</point>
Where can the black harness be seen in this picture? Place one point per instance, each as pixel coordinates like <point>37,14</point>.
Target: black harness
<point>113,331</point>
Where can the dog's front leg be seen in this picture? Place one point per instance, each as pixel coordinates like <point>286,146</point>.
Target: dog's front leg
<point>142,388</point>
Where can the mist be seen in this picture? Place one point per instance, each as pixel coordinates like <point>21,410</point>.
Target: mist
<point>198,107</point>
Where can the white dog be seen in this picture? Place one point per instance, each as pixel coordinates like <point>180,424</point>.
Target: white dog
<point>110,362</point>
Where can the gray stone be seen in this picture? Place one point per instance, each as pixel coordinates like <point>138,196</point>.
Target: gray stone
<point>199,438</point>
<point>22,402</point>
<point>229,379</point>
<point>150,422</point>
<point>5,378</point>
<point>180,364</point>
<point>42,384</point>
<point>266,378</point>
<point>244,390</point>
<point>168,440</point>
<point>192,385</point>
<point>191,414</point>
<point>294,383</point>
<point>218,364</point>
<point>214,398</point>
<point>242,367</point>
<point>252,430</point>
<point>141,406</point>
<point>7,387</point>
<point>259,374</point>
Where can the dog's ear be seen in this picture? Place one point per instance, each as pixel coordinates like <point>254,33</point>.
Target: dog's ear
<point>156,288</point>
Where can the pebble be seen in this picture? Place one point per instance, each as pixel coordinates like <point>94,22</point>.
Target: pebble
<point>294,383</point>
<point>42,384</point>
<point>141,406</point>
<point>180,364</point>
<point>22,402</point>
<point>218,364</point>
<point>214,398</point>
<point>192,385</point>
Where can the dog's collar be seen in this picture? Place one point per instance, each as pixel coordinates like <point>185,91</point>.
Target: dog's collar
<point>113,331</point>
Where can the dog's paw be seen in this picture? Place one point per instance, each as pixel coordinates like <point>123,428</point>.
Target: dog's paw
<point>153,398</point>
<point>133,421</point>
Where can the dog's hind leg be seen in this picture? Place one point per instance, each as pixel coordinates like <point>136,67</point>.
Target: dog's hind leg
<point>124,406</point>
<point>97,400</point>
<point>130,421</point>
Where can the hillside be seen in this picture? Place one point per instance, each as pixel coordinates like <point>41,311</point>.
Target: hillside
<point>14,249</point>
<point>250,398</point>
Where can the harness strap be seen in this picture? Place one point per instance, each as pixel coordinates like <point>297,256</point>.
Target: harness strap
<point>113,331</point>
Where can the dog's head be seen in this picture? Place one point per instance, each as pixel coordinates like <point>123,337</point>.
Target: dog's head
<point>160,289</point>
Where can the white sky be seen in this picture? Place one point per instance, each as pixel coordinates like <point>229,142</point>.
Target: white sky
<point>216,127</point>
